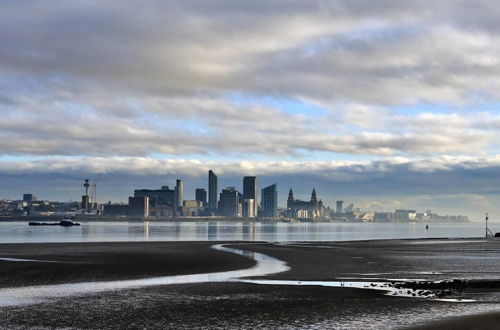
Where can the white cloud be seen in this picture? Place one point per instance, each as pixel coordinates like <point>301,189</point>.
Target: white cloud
<point>415,82</point>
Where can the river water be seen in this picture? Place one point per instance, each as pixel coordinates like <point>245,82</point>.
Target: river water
<point>20,232</point>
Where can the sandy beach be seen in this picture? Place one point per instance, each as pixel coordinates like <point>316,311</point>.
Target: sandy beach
<point>249,306</point>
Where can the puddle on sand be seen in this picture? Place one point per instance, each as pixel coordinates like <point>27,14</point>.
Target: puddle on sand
<point>35,294</point>
<point>386,287</point>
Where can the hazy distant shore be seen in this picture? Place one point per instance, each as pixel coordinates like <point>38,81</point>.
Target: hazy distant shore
<point>231,305</point>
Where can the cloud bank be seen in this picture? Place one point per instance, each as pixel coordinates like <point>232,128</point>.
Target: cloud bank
<point>341,89</point>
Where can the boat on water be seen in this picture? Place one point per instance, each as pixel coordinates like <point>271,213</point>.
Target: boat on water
<point>63,222</point>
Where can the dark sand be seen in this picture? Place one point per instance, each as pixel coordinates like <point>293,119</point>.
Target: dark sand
<point>100,261</point>
<point>249,306</point>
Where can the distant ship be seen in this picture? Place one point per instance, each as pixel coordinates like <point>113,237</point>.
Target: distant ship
<point>63,222</point>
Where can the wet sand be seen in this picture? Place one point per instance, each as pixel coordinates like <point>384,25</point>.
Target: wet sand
<point>249,306</point>
<point>79,262</point>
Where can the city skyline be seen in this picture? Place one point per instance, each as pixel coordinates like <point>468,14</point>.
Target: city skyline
<point>302,189</point>
<point>166,202</point>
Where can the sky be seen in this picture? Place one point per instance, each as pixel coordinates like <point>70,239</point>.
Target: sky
<point>394,103</point>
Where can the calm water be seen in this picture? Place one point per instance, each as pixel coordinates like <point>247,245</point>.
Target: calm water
<point>17,232</point>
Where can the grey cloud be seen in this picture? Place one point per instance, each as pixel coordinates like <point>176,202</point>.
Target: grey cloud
<point>148,77</point>
<point>388,52</point>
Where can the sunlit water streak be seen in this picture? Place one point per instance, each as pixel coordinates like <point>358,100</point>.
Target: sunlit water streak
<point>27,260</point>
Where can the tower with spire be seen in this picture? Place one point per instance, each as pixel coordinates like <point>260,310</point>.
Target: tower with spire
<point>290,200</point>
<point>314,198</point>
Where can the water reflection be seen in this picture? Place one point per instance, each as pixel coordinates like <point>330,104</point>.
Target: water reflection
<point>14,232</point>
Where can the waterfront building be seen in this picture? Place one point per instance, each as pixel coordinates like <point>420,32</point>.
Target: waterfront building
<point>85,203</point>
<point>290,200</point>
<point>250,188</point>
<point>192,208</point>
<point>138,207</point>
<point>229,203</point>
<point>157,197</point>
<point>115,209</point>
<point>269,201</point>
<point>315,209</point>
<point>213,190</point>
<point>178,196</point>
<point>201,196</point>
<point>406,215</point>
<point>249,208</point>
<point>339,210</point>
<point>349,208</point>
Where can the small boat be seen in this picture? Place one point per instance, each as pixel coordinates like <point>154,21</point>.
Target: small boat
<point>68,223</point>
<point>63,222</point>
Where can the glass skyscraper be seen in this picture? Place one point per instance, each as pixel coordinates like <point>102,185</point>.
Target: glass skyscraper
<point>213,190</point>
<point>269,203</point>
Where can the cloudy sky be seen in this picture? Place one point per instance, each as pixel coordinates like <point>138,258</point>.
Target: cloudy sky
<point>384,102</point>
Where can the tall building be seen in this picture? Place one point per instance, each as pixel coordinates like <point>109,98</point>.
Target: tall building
<point>85,198</point>
<point>29,198</point>
<point>201,196</point>
<point>229,204</point>
<point>157,197</point>
<point>290,200</point>
<point>178,196</point>
<point>339,209</point>
<point>213,190</point>
<point>269,201</point>
<point>138,206</point>
<point>249,208</point>
<point>85,206</point>
<point>250,191</point>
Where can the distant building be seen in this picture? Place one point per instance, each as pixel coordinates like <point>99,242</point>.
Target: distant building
<point>138,207</point>
<point>349,208</point>
<point>290,201</point>
<point>314,208</point>
<point>157,197</point>
<point>250,191</point>
<point>213,190</point>
<point>85,203</point>
<point>269,202</point>
<point>192,208</point>
<point>178,196</point>
<point>405,215</point>
<point>229,203</point>
<point>302,214</point>
<point>163,211</point>
<point>115,209</point>
<point>339,210</point>
<point>249,208</point>
<point>29,198</point>
<point>201,196</point>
